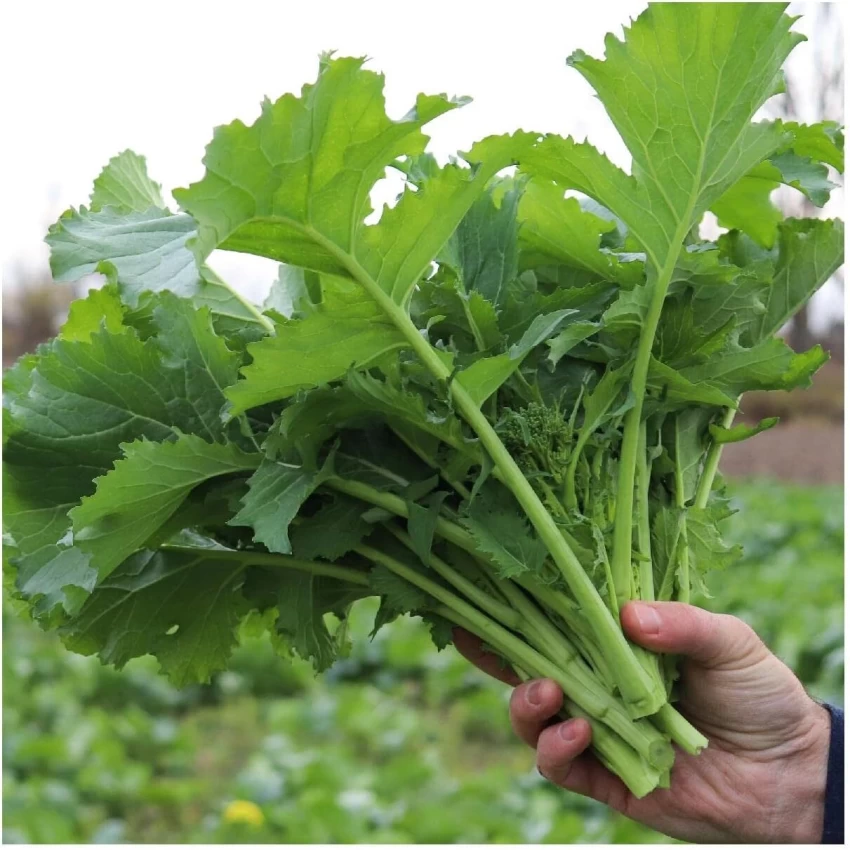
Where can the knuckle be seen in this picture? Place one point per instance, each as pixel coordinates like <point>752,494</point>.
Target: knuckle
<point>745,641</point>
<point>731,640</point>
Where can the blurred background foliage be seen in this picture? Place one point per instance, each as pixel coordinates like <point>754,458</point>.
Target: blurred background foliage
<point>397,743</point>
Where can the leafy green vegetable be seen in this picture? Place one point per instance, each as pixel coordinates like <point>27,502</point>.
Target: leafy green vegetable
<point>495,407</point>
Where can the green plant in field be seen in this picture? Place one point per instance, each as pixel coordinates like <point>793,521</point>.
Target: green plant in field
<point>497,407</point>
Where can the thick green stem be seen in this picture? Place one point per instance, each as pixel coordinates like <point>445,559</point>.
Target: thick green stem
<point>453,533</point>
<point>665,591</point>
<point>621,562</point>
<point>690,739</point>
<point>639,691</point>
<point>709,470</point>
<point>614,752</point>
<point>647,581</point>
<point>449,531</point>
<point>579,687</point>
<point>500,612</point>
<point>560,650</point>
<point>682,553</point>
<point>639,777</point>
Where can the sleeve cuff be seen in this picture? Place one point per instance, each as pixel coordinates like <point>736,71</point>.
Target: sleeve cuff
<point>833,820</point>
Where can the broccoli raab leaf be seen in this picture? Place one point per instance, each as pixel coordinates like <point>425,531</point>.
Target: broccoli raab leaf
<point>182,608</point>
<point>497,404</point>
<point>689,133</point>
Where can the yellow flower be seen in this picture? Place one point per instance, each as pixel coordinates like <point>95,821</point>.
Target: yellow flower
<point>244,811</point>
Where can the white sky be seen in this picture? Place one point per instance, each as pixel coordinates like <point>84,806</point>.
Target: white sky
<point>85,80</point>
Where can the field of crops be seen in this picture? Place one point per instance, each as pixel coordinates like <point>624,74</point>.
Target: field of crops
<point>398,743</point>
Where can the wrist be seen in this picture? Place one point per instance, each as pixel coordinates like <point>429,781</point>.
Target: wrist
<point>800,809</point>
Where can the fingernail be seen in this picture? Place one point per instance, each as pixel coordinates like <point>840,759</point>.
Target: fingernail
<point>568,732</point>
<point>648,618</point>
<point>532,695</point>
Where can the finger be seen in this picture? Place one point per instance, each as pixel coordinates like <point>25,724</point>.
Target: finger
<point>559,746</point>
<point>471,648</point>
<point>711,640</point>
<point>533,705</point>
<point>561,758</point>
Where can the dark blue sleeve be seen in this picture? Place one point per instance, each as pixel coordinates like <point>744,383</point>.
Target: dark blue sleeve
<point>833,816</point>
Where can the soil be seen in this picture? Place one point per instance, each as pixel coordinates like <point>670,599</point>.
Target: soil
<point>805,450</point>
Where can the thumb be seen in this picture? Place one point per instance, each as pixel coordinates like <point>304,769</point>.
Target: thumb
<point>710,640</point>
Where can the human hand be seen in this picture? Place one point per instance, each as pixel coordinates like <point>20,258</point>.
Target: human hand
<point>763,776</point>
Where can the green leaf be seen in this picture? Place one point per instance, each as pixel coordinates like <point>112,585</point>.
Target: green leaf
<point>130,237</point>
<point>569,338</point>
<point>599,401</point>
<point>683,339</point>
<point>687,445</point>
<point>398,596</point>
<point>705,542</point>
<point>308,422</point>
<point>738,302</point>
<point>821,142</point>
<point>143,490</point>
<point>623,320</point>
<point>504,535</point>
<point>275,494</point>
<point>399,250</point>
<point>333,531</point>
<point>541,328</point>
<point>683,387</point>
<point>483,250</point>
<point>422,521</point>
<point>806,176</point>
<point>483,314</point>
<point>189,345</point>
<point>556,231</point>
<point>101,308</point>
<point>182,608</point>
<point>347,331</point>
<point>67,415</point>
<point>144,251</point>
<point>302,602</point>
<point>295,185</point>
<point>728,60</point>
<point>294,291</point>
<point>769,365</point>
<point>124,183</point>
<point>747,205</point>
<point>483,377</point>
<point>741,431</point>
<point>487,374</point>
<point>402,406</point>
<point>810,250</point>
<point>306,164</point>
<point>440,629</point>
<point>48,575</point>
<point>667,527</point>
<point>675,388</point>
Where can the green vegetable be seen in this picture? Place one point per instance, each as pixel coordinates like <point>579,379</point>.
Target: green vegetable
<point>496,407</point>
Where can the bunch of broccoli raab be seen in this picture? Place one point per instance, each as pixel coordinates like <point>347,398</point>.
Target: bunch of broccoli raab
<point>499,407</point>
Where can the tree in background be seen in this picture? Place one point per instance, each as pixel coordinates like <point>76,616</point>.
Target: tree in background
<point>33,310</point>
